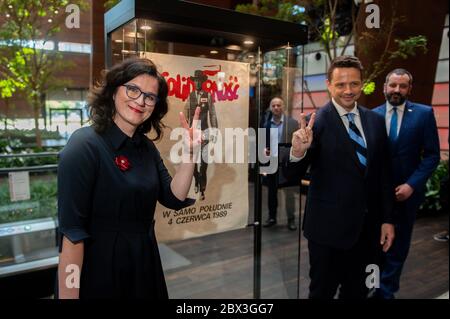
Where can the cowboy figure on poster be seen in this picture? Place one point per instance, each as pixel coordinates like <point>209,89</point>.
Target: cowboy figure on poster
<point>203,99</point>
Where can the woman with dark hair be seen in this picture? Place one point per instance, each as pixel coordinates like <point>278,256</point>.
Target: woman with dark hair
<point>110,176</point>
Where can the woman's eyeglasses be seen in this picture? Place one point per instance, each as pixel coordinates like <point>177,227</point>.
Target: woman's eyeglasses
<point>133,92</point>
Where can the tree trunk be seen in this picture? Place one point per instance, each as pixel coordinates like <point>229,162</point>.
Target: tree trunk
<point>6,100</point>
<point>37,113</point>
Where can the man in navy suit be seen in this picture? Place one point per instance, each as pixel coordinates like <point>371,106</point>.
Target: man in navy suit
<point>415,155</point>
<point>348,209</point>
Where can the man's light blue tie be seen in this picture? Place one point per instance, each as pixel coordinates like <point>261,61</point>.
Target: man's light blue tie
<point>357,140</point>
<point>394,125</point>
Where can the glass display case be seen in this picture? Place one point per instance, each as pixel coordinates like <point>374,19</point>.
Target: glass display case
<point>244,60</point>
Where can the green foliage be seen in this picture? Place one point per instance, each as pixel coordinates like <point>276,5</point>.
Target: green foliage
<point>409,47</point>
<point>285,10</point>
<point>16,66</point>
<point>26,161</point>
<point>43,191</point>
<point>369,88</point>
<point>266,8</point>
<point>433,200</point>
<point>9,86</point>
<point>7,145</point>
<point>27,136</point>
<point>111,3</point>
<point>22,142</point>
<point>274,61</point>
<point>24,65</point>
<point>327,33</point>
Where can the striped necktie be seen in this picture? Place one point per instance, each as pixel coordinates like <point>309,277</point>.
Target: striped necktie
<point>357,140</point>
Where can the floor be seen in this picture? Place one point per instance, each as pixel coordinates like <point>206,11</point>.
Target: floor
<point>221,265</point>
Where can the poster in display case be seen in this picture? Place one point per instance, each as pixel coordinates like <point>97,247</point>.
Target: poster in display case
<point>220,185</point>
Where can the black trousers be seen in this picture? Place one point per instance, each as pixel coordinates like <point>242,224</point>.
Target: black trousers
<point>272,195</point>
<point>200,176</point>
<point>331,267</point>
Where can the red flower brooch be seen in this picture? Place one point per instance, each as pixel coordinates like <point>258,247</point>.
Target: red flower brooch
<point>122,163</point>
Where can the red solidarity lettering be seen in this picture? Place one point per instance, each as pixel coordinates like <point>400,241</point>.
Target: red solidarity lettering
<point>180,87</point>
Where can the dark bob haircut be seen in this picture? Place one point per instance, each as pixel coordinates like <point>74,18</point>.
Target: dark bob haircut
<point>101,104</point>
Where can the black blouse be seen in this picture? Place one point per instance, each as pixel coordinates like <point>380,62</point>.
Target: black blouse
<point>112,211</point>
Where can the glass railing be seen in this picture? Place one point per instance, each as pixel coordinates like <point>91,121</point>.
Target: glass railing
<point>28,211</point>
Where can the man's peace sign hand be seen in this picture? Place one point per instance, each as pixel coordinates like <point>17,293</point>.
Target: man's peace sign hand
<point>303,137</point>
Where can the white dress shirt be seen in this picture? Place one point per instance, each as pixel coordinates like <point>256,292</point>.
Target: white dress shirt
<point>390,111</point>
<point>342,114</point>
<point>275,138</point>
